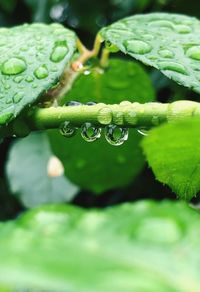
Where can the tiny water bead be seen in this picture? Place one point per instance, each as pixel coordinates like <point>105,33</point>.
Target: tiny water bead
<point>41,72</point>
<point>59,53</point>
<point>115,135</point>
<point>194,53</point>
<point>67,129</point>
<point>137,47</point>
<point>13,66</point>
<point>91,103</point>
<point>73,103</point>
<point>90,133</point>
<point>143,131</point>
<point>172,66</point>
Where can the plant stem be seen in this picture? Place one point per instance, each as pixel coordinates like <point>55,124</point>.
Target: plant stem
<point>104,58</point>
<point>125,114</point>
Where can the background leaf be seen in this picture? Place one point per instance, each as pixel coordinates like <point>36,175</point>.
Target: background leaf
<point>28,177</point>
<point>33,66</point>
<point>172,151</point>
<point>168,42</point>
<point>65,248</point>
<point>99,166</point>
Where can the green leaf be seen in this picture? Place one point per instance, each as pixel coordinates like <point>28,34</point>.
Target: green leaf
<point>99,166</point>
<point>168,42</point>
<point>35,176</point>
<point>62,248</point>
<point>172,151</point>
<point>33,58</point>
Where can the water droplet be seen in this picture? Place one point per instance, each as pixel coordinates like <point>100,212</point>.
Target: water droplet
<point>90,133</point>
<point>194,53</point>
<point>125,103</point>
<point>116,136</point>
<point>111,47</point>
<point>18,79</point>
<point>104,116</point>
<point>67,130</point>
<point>172,66</point>
<point>142,131</point>
<point>59,53</point>
<point>91,103</point>
<point>87,72</point>
<point>7,86</point>
<point>18,97</point>
<point>137,47</point>
<point>166,53</point>
<point>13,66</point>
<point>73,103</point>
<point>162,23</point>
<point>41,72</point>
<point>181,28</point>
<point>29,79</point>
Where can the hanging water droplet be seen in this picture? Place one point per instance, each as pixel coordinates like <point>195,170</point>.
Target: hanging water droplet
<point>137,47</point>
<point>194,53</point>
<point>90,133</point>
<point>67,130</point>
<point>73,103</point>
<point>172,66</point>
<point>142,131</point>
<point>13,66</point>
<point>91,103</point>
<point>166,53</point>
<point>116,136</point>
<point>41,72</point>
<point>58,53</point>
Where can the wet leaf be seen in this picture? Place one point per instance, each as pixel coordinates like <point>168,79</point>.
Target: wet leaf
<point>32,58</point>
<point>168,42</point>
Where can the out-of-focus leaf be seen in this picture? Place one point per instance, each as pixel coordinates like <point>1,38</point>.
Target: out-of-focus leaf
<point>145,246</point>
<point>172,151</point>
<point>99,166</point>
<point>35,176</point>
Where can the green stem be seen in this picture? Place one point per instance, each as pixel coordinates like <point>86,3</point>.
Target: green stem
<point>125,114</point>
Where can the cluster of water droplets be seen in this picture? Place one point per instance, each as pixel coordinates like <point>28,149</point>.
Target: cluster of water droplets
<point>114,135</point>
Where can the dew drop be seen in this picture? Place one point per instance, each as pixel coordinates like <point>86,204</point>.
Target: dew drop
<point>172,66</point>
<point>67,130</point>
<point>183,29</point>
<point>58,53</point>
<point>73,103</point>
<point>166,53</point>
<point>18,97</point>
<point>142,131</point>
<point>90,103</point>
<point>162,23</point>
<point>18,79</point>
<point>137,47</point>
<point>29,79</point>
<point>116,136</point>
<point>41,72</point>
<point>194,53</point>
<point>90,133</point>
<point>104,116</point>
<point>13,66</point>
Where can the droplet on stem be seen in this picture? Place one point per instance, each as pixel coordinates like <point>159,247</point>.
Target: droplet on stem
<point>90,133</point>
<point>67,130</point>
<point>115,135</point>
